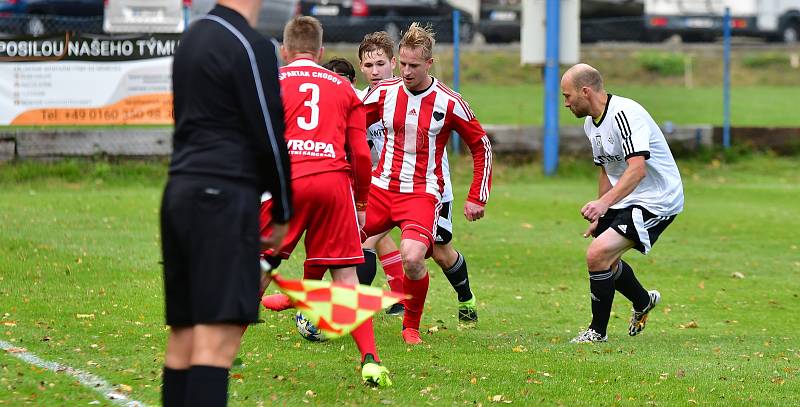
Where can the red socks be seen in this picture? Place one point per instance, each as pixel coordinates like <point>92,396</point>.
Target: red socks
<point>392,265</point>
<point>364,337</point>
<point>418,290</point>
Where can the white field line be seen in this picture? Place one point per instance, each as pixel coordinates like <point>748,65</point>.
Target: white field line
<point>86,379</point>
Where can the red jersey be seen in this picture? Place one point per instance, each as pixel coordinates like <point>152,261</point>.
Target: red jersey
<point>417,130</point>
<point>325,124</point>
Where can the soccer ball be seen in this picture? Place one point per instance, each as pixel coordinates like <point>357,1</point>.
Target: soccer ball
<point>307,330</point>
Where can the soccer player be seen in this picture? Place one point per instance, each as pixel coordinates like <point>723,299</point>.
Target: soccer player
<point>418,113</point>
<point>228,149</point>
<point>640,194</point>
<point>377,62</point>
<point>325,126</point>
<point>344,68</point>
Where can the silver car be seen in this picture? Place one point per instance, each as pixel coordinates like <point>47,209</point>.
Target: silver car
<point>273,16</point>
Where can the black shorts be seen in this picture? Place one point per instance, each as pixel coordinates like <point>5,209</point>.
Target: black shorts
<point>444,225</point>
<point>635,223</point>
<point>210,244</point>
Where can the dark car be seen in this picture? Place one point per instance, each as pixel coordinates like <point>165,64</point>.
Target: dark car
<point>617,20</point>
<point>350,20</point>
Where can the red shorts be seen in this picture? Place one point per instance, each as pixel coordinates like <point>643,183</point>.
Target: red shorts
<point>415,213</point>
<point>324,209</point>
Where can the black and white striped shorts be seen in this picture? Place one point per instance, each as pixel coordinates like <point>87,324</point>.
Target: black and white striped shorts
<point>635,223</point>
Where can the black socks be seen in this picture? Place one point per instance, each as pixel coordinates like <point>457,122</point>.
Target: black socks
<point>366,271</point>
<point>601,285</point>
<point>457,275</point>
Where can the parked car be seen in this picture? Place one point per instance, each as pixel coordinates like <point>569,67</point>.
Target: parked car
<point>62,15</point>
<point>350,20</point>
<point>271,20</point>
<point>500,20</point>
<point>10,7</point>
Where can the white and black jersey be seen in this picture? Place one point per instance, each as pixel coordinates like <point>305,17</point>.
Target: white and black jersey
<point>625,130</point>
<point>376,138</point>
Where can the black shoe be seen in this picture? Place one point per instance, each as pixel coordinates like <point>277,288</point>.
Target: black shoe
<point>396,309</point>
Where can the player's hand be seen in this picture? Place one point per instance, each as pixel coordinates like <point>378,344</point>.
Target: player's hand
<point>590,231</point>
<point>274,240</point>
<point>473,211</point>
<point>593,210</point>
<point>362,218</point>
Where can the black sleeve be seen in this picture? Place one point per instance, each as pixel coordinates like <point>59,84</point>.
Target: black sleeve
<point>260,98</point>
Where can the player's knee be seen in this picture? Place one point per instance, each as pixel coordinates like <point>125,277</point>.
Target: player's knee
<point>597,258</point>
<point>444,255</point>
<point>414,263</point>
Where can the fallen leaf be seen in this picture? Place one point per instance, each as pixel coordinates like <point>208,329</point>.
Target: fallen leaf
<point>701,285</point>
<point>519,348</point>
<point>690,324</point>
<point>497,398</point>
<point>737,274</point>
<point>125,388</point>
<point>527,226</point>
<point>680,373</point>
<point>310,393</point>
<point>433,329</point>
<point>84,316</point>
<point>473,380</point>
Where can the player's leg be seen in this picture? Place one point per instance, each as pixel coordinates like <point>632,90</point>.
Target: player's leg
<point>454,265</point>
<point>376,227</point>
<point>415,284</point>
<point>225,281</point>
<point>367,271</point>
<point>416,214</point>
<point>176,366</point>
<point>333,240</point>
<point>391,262</point>
<point>364,336</point>
<point>600,257</point>
<point>643,228</point>
<point>301,204</point>
<point>178,304</point>
<point>213,348</point>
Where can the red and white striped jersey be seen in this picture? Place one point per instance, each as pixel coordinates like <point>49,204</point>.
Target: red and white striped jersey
<point>417,130</point>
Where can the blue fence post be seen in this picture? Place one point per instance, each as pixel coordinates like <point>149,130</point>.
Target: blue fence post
<point>551,87</point>
<point>456,140</point>
<point>726,79</point>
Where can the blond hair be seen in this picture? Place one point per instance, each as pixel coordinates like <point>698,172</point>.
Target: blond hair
<point>302,34</point>
<point>421,37</point>
<point>377,41</point>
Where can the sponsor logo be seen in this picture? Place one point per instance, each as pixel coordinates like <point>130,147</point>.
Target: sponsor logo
<point>310,148</point>
<point>605,159</point>
<point>593,297</point>
<point>413,112</point>
<point>611,139</point>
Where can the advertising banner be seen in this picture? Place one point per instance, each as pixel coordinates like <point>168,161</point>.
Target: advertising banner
<point>87,79</point>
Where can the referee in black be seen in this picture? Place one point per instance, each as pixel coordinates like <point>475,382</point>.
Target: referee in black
<point>228,148</point>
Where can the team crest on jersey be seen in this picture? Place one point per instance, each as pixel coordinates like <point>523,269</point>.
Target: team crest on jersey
<point>438,116</point>
<point>598,140</point>
<point>310,148</point>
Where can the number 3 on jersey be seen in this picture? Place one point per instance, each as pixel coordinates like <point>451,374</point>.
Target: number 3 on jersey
<point>313,121</point>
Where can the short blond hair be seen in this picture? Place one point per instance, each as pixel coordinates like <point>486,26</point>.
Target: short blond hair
<point>302,34</point>
<point>418,36</point>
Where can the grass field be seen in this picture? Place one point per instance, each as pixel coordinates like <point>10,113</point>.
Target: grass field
<point>80,284</point>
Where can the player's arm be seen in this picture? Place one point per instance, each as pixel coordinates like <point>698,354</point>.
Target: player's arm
<point>635,138</point>
<point>604,184</point>
<point>470,130</point>
<point>260,100</point>
<point>358,153</point>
